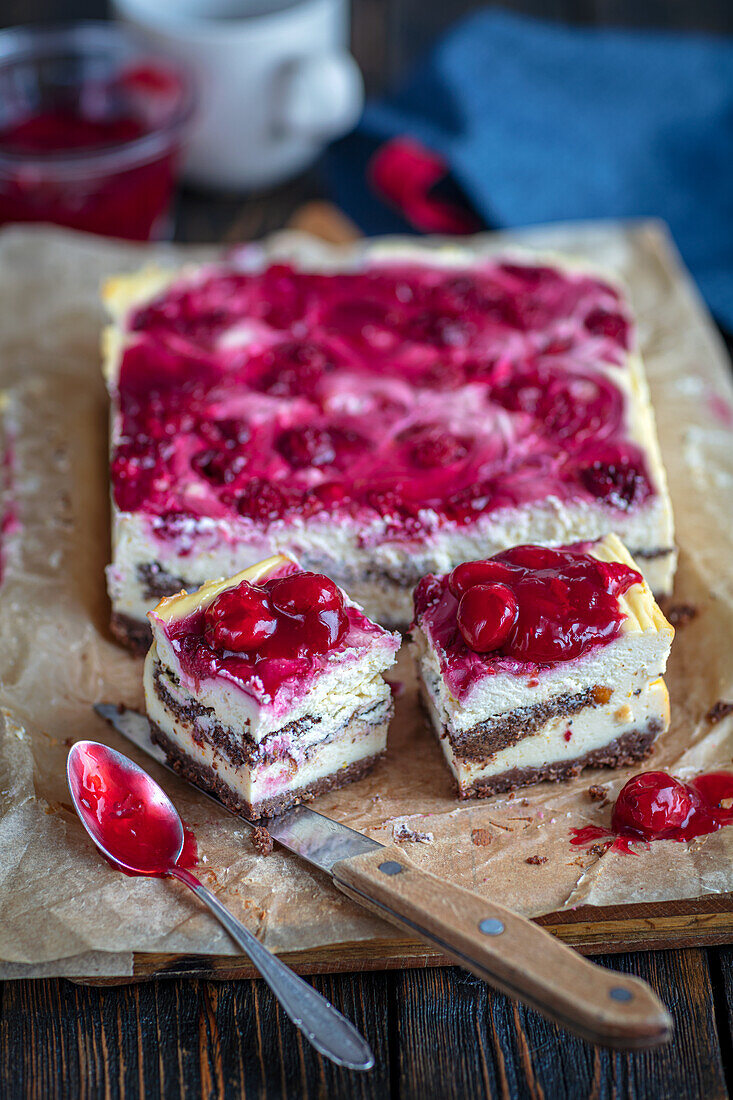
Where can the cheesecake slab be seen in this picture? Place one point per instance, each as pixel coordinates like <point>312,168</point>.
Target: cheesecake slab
<point>379,417</point>
<point>267,687</point>
<point>539,662</point>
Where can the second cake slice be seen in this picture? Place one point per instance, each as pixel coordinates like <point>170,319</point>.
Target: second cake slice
<point>537,663</point>
<point>267,688</point>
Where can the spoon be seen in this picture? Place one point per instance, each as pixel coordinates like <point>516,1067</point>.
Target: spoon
<point>136,826</point>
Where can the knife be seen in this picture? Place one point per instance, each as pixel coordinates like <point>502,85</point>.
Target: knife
<point>506,950</point>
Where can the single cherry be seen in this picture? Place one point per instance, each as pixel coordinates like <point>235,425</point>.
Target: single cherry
<point>486,614</point>
<point>653,805</point>
<point>314,602</point>
<point>303,592</point>
<point>470,573</point>
<point>240,619</point>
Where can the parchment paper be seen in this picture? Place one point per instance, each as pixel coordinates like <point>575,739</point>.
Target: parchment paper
<point>62,909</point>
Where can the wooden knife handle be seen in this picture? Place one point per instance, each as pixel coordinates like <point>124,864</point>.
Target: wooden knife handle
<point>508,951</point>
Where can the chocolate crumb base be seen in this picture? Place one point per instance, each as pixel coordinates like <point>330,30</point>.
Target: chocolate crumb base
<point>135,634</point>
<point>155,582</point>
<point>627,749</point>
<point>201,775</point>
<point>651,555</point>
<point>238,747</point>
<point>262,842</point>
<point>503,730</point>
<point>719,711</point>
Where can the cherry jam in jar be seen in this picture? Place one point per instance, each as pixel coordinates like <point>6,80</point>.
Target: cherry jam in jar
<point>90,130</point>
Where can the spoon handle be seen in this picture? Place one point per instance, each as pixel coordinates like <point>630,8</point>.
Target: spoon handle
<point>329,1032</point>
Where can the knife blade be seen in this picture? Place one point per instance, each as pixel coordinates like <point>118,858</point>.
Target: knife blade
<point>317,839</point>
<point>505,949</point>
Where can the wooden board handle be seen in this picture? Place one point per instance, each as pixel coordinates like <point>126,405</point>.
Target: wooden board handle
<point>508,951</point>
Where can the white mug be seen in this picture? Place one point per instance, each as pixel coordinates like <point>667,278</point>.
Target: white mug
<point>276,81</point>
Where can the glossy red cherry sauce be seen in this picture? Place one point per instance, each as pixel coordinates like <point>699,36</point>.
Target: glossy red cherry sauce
<point>402,396</point>
<point>656,806</point>
<point>535,605</point>
<point>122,198</point>
<point>137,829</point>
<point>272,639</point>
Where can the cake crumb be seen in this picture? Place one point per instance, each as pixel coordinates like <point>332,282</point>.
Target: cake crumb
<point>535,861</point>
<point>718,711</point>
<point>601,694</point>
<point>679,614</point>
<point>480,837</point>
<point>262,841</point>
<point>401,831</point>
<point>596,793</point>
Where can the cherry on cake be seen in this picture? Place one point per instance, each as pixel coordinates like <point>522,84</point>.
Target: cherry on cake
<point>539,662</point>
<point>267,688</point>
<point>379,417</point>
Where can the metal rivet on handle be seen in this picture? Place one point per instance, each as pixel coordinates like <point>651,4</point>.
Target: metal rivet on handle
<point>490,926</point>
<point>390,867</point>
<point>618,993</point>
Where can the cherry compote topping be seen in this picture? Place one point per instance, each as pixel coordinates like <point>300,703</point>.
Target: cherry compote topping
<point>657,806</point>
<point>271,638</point>
<point>408,392</point>
<point>530,604</point>
<point>298,615</point>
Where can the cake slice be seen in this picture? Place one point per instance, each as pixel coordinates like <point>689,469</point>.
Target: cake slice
<point>379,415</point>
<point>267,688</point>
<point>537,663</point>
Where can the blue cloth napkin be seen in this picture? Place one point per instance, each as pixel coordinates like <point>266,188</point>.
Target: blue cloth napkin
<point>543,122</point>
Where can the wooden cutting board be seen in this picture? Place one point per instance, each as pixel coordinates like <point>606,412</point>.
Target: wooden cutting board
<point>691,922</point>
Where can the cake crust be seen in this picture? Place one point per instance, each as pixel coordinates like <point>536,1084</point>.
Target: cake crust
<point>203,776</point>
<point>630,748</point>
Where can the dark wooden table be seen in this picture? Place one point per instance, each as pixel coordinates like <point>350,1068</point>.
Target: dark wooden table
<point>435,1033</point>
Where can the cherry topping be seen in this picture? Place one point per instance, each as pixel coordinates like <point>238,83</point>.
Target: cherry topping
<point>618,480</point>
<point>324,371</point>
<point>260,501</point>
<point>306,447</point>
<point>612,325</point>
<point>239,619</point>
<point>486,614</point>
<point>471,573</point>
<point>432,445</point>
<point>219,467</point>
<point>531,605</point>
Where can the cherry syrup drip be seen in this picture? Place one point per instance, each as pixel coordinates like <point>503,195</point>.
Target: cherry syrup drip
<point>657,806</point>
<point>129,822</point>
<point>529,605</point>
<point>399,392</point>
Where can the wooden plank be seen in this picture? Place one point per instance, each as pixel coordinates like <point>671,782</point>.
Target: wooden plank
<point>651,927</point>
<point>179,1039</point>
<point>457,1038</point>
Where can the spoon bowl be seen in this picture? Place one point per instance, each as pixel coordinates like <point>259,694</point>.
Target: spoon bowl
<point>128,816</point>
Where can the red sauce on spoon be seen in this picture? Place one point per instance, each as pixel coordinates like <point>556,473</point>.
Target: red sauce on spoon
<point>126,817</point>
